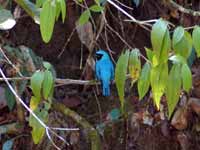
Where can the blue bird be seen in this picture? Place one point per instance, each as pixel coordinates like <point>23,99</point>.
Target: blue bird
<point>104,70</point>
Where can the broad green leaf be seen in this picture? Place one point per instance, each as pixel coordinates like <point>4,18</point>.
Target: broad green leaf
<point>8,145</point>
<point>144,80</point>
<point>183,46</point>
<point>97,2</point>
<point>173,88</point>
<point>158,77</point>
<point>134,65</point>
<point>196,39</point>
<point>178,35</point>
<point>150,54</point>
<point>63,9</point>
<point>34,102</point>
<point>47,84</point>
<point>160,40</point>
<point>120,76</point>
<point>39,3</point>
<point>84,17</point>
<point>10,98</point>
<point>37,129</point>
<point>36,83</point>
<point>47,20</point>
<point>186,77</point>
<point>96,8</point>
<point>6,20</point>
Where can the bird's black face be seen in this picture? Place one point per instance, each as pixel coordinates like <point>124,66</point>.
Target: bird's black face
<point>98,56</point>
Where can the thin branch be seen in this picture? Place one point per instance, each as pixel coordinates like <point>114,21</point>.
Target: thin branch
<point>184,10</point>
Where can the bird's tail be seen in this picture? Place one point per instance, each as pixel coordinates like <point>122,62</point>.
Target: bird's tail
<point>106,88</point>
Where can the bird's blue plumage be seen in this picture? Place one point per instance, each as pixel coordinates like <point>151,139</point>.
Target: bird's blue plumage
<point>104,70</point>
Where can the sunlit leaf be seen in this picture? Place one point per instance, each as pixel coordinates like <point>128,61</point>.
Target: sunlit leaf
<point>36,83</point>
<point>182,46</point>
<point>134,65</point>
<point>173,88</point>
<point>47,84</point>
<point>160,40</point>
<point>120,76</point>
<point>96,8</point>
<point>39,3</point>
<point>150,54</point>
<point>158,77</point>
<point>84,17</point>
<point>196,39</point>
<point>186,77</point>
<point>47,20</point>
<point>34,102</point>
<point>178,59</point>
<point>144,80</point>
<point>37,129</point>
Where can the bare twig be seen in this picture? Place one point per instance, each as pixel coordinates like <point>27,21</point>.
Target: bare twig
<point>184,10</point>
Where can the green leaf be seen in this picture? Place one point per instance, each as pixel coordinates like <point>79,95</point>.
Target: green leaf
<point>144,80</point>
<point>8,145</point>
<point>58,10</point>
<point>96,8</point>
<point>134,65</point>
<point>196,39</point>
<point>120,76</point>
<point>47,84</point>
<point>37,129</point>
<point>158,77</point>
<point>150,54</point>
<point>178,35</point>
<point>47,20</point>
<point>10,98</point>
<point>47,65</point>
<point>39,3</point>
<point>173,88</point>
<point>160,40</point>
<point>84,17</point>
<point>36,83</point>
<point>186,77</point>
<point>63,9</point>
<point>182,46</point>
<point>34,102</point>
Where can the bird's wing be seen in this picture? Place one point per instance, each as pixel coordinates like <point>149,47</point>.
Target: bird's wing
<point>97,70</point>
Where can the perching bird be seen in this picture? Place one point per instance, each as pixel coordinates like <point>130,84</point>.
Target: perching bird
<point>104,70</point>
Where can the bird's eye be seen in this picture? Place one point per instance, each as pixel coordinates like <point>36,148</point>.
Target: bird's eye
<point>98,56</point>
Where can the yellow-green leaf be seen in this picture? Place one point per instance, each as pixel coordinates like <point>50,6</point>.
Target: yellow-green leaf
<point>36,83</point>
<point>134,65</point>
<point>186,77</point>
<point>37,129</point>
<point>34,102</point>
<point>96,8</point>
<point>47,20</point>
<point>120,76</point>
<point>158,77</point>
<point>173,88</point>
<point>182,43</point>
<point>160,40</point>
<point>47,84</point>
<point>196,39</point>
<point>84,17</point>
<point>144,80</point>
